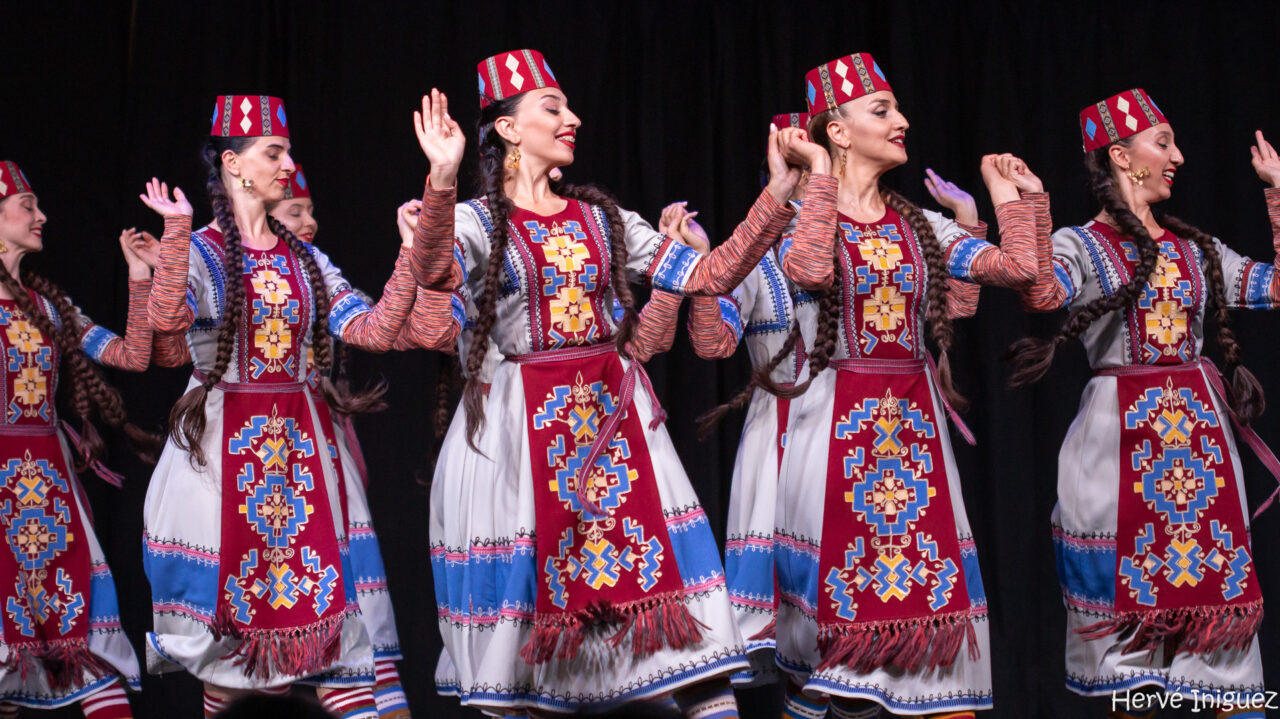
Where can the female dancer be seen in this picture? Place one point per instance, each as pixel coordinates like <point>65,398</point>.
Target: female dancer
<point>1151,528</point>
<point>246,549</point>
<point>876,566</point>
<point>619,594</point>
<point>766,311</point>
<point>61,635</point>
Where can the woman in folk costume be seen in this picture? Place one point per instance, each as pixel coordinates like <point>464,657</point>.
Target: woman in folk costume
<point>62,642</point>
<point>619,594</point>
<point>246,544</point>
<point>1151,526</point>
<point>766,312</point>
<point>457,515</point>
<point>881,598</point>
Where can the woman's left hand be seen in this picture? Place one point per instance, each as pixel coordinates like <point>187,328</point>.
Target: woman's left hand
<point>407,221</point>
<point>141,252</point>
<point>676,221</point>
<point>1265,160</point>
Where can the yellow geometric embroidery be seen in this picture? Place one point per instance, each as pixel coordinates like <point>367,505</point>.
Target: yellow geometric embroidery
<point>881,253</point>
<point>886,309</point>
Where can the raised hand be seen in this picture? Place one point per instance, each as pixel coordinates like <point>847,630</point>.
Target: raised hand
<point>1015,170</point>
<point>1265,161</point>
<point>1001,188</point>
<point>441,139</point>
<point>157,198</point>
<point>676,221</point>
<point>952,197</point>
<point>142,246</point>
<point>799,151</point>
<point>407,221</point>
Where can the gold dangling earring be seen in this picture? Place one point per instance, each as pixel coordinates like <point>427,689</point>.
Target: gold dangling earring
<point>246,184</point>
<point>513,159</point>
<point>844,160</point>
<point>3,247</point>
<point>1137,177</point>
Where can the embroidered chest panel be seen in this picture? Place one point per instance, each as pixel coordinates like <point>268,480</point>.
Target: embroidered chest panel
<point>772,311</point>
<point>882,276</point>
<point>1159,321</point>
<point>562,261</point>
<point>278,309</point>
<point>30,366</point>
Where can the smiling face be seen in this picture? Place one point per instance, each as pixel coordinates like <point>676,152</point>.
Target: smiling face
<point>543,127</point>
<point>1152,149</point>
<point>298,216</point>
<point>22,223</point>
<point>872,129</point>
<point>265,162</point>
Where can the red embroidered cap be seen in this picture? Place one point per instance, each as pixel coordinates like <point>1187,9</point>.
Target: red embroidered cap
<point>12,181</point>
<point>508,74</point>
<point>297,188</point>
<point>1118,117</point>
<point>792,119</point>
<point>249,116</point>
<point>832,84</point>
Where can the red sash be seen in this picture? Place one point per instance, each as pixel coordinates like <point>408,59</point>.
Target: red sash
<point>603,551</point>
<point>280,568</point>
<point>47,567</point>
<point>892,581</point>
<point>1184,570</point>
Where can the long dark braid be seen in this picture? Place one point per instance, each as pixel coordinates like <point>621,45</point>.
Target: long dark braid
<point>936,315</point>
<point>619,282</point>
<point>491,175</point>
<point>708,420</point>
<point>1248,399</point>
<point>367,401</point>
<point>1031,356</point>
<point>90,393</point>
<point>187,419</point>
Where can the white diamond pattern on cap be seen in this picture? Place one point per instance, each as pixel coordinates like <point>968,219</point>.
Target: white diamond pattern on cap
<point>245,107</point>
<point>4,188</point>
<point>1130,121</point>
<point>517,81</point>
<point>843,70</point>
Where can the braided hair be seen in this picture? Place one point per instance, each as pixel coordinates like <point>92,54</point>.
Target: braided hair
<point>90,394</point>
<point>829,306</point>
<point>491,186</point>
<point>1031,356</point>
<point>187,420</point>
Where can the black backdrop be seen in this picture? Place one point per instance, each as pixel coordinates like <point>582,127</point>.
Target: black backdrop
<point>675,99</point>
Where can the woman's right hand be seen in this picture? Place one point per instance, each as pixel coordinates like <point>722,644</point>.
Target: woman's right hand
<point>1001,188</point>
<point>801,152</point>
<point>142,246</point>
<point>441,139</point>
<point>157,198</point>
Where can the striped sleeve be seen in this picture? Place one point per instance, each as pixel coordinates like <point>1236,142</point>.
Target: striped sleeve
<point>1053,287</point>
<point>656,331</point>
<point>434,322</point>
<point>1012,264</point>
<point>171,303</point>
<point>807,257</point>
<point>676,267</point>
<point>1254,285</point>
<point>962,297</point>
<point>1070,267</point>
<point>170,350</point>
<point>352,320</point>
<point>435,246</point>
<point>131,352</point>
<point>715,326</point>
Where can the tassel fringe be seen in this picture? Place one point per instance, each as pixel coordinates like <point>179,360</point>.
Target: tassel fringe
<point>653,623</point>
<point>64,661</point>
<point>294,651</point>
<point>909,644</point>
<point>1188,630</point>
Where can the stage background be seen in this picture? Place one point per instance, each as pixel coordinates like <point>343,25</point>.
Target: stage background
<point>675,99</point>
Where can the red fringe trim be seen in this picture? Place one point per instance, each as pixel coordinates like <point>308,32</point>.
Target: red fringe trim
<point>769,632</point>
<point>267,653</point>
<point>64,661</point>
<point>909,644</point>
<point>653,622</point>
<point>1189,630</point>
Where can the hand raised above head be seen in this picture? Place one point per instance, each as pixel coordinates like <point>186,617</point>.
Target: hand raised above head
<point>157,198</point>
<point>441,139</point>
<point>1265,160</point>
